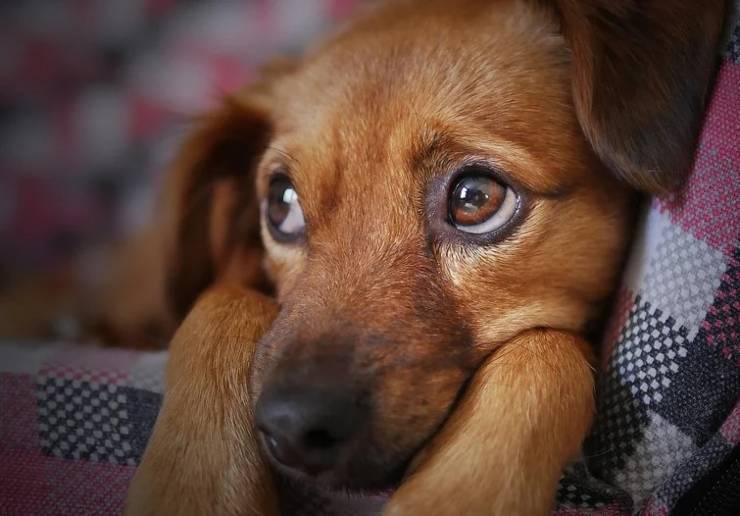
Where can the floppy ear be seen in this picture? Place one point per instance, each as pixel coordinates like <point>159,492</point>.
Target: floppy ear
<point>212,203</point>
<point>642,71</point>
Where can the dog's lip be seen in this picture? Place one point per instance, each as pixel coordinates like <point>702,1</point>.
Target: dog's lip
<point>328,481</point>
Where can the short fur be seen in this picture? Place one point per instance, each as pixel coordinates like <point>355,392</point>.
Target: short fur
<point>471,360</point>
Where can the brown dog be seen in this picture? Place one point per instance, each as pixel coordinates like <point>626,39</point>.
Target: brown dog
<point>440,199</point>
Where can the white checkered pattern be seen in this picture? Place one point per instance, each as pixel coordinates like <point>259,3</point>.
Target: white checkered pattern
<point>648,354</point>
<point>662,447</point>
<point>683,276</point>
<point>81,420</point>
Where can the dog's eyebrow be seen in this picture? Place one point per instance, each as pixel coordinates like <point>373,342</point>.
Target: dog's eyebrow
<point>428,149</point>
<point>284,154</point>
<point>439,150</point>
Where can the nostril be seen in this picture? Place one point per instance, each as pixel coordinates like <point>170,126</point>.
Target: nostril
<point>281,450</point>
<point>311,430</point>
<point>319,439</point>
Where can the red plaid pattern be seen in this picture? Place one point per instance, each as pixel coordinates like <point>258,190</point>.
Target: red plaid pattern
<point>73,427</point>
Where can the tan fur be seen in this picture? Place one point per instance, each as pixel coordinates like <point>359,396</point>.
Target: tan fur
<point>203,457</point>
<point>382,296</point>
<point>539,386</point>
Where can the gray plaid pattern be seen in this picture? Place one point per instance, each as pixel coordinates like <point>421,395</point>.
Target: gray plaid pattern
<point>649,352</point>
<point>662,447</point>
<point>80,420</point>
<point>683,277</point>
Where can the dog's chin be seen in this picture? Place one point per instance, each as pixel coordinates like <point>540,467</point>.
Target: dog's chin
<point>330,481</point>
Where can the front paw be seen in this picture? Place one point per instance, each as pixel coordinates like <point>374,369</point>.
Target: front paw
<point>204,456</point>
<point>413,502</point>
<point>503,448</point>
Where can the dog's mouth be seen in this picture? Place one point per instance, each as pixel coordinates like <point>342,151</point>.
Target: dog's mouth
<point>361,472</point>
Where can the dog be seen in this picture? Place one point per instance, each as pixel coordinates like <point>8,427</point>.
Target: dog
<point>388,253</point>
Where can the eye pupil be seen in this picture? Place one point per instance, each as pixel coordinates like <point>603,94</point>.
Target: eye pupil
<point>472,199</point>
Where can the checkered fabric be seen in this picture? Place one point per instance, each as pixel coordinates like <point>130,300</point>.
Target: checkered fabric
<point>74,422</point>
<point>668,390</point>
<point>95,95</point>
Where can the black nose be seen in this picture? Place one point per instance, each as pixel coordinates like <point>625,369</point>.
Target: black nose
<point>310,429</point>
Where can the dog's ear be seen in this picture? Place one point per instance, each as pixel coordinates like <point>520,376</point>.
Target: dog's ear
<point>211,201</point>
<point>211,209</point>
<point>641,74</point>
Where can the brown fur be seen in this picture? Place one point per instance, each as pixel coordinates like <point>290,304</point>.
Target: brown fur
<point>470,357</point>
<point>209,467</point>
<point>534,399</point>
<point>643,71</point>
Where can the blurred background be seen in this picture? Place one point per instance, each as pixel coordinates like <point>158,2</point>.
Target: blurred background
<point>94,96</point>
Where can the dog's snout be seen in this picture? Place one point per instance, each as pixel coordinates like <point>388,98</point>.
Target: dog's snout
<point>310,430</point>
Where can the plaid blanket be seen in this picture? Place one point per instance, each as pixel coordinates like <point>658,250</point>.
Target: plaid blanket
<point>74,422</point>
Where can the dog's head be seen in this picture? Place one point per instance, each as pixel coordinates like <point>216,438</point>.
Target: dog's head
<point>432,181</point>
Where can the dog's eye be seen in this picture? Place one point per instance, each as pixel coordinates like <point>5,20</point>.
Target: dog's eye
<point>284,213</point>
<point>480,204</point>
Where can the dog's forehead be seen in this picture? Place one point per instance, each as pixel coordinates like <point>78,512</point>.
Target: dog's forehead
<point>493,65</point>
<point>427,63</point>
<point>379,95</point>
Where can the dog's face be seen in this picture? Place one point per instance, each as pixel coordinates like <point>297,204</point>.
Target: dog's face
<point>425,191</point>
<point>423,201</point>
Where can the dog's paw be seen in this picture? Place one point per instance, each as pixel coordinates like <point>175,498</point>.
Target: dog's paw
<point>417,496</point>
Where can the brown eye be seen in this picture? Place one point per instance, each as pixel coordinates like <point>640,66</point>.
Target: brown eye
<point>284,213</point>
<point>480,204</point>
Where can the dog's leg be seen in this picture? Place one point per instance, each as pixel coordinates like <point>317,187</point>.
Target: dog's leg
<point>203,457</point>
<point>524,415</point>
